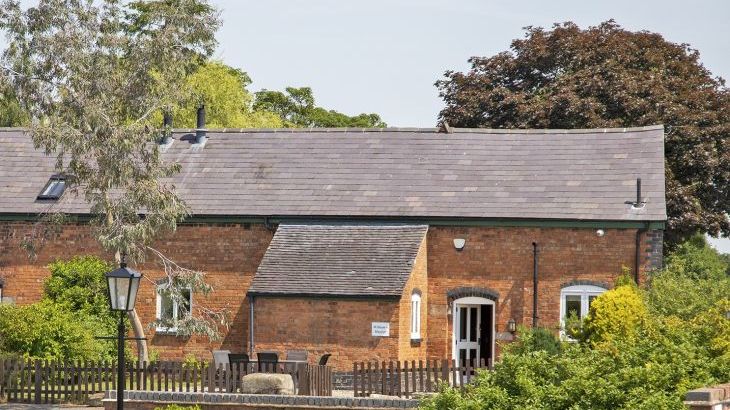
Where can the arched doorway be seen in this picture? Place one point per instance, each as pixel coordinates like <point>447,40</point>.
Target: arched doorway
<point>473,330</point>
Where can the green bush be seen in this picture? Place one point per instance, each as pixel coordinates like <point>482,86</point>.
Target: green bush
<point>535,340</point>
<point>178,407</point>
<point>47,330</point>
<point>617,313</point>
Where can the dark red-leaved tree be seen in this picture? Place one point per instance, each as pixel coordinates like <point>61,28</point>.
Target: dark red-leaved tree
<point>606,76</point>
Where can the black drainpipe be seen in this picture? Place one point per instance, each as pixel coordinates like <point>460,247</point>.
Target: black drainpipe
<point>535,253</point>
<point>250,325</point>
<point>637,258</point>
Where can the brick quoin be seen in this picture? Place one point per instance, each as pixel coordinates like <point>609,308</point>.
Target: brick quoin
<point>496,258</point>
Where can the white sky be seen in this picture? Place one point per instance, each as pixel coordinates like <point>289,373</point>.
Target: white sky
<point>383,56</point>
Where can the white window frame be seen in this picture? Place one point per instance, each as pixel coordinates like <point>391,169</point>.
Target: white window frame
<point>415,316</point>
<point>585,292</point>
<point>158,313</point>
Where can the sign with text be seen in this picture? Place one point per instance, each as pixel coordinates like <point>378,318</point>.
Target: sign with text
<point>381,329</point>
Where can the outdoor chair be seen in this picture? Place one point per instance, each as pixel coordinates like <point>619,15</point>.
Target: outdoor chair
<point>239,361</point>
<point>296,355</point>
<point>324,358</point>
<point>220,357</point>
<point>267,361</point>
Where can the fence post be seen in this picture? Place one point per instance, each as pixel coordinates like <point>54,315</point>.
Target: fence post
<point>37,382</point>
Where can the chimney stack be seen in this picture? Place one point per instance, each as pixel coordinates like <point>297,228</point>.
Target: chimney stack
<point>200,132</point>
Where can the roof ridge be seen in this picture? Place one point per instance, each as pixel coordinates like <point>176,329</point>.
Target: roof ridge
<point>407,129</point>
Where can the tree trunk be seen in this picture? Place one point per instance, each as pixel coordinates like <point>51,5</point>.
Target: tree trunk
<point>138,329</point>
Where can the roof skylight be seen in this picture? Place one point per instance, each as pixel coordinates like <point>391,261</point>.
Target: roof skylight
<point>54,188</point>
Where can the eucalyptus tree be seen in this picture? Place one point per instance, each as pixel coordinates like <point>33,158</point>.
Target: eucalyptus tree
<point>93,76</point>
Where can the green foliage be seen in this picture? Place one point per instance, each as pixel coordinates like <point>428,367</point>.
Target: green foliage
<point>617,313</point>
<point>79,284</point>
<point>192,362</point>
<point>642,351</point>
<point>535,340</point>
<point>297,108</point>
<point>178,407</point>
<point>11,113</point>
<point>47,330</point>
<point>696,276</point>
<point>228,104</point>
<point>606,76</point>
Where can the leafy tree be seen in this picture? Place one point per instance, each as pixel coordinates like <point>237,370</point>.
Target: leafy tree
<point>696,276</point>
<point>48,330</point>
<point>80,284</point>
<point>297,108</point>
<point>92,76</point>
<point>606,76</point>
<point>228,104</point>
<point>11,113</point>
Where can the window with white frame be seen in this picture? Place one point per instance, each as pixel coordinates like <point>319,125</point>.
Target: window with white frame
<point>415,316</point>
<point>169,309</point>
<point>576,301</point>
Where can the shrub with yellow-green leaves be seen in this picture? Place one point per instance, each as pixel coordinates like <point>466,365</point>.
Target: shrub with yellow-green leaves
<point>616,313</point>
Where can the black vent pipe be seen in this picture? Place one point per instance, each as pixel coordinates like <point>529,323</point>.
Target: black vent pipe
<point>166,128</point>
<point>200,132</point>
<point>535,253</point>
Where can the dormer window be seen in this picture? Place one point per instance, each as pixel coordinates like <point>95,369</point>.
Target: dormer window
<point>54,188</point>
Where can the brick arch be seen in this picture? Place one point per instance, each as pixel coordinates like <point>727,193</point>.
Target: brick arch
<point>416,291</point>
<point>576,282</point>
<point>463,292</point>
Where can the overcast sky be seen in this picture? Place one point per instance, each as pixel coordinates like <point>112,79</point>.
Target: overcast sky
<point>383,56</point>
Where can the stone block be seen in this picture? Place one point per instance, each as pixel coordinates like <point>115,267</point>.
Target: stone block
<point>267,383</point>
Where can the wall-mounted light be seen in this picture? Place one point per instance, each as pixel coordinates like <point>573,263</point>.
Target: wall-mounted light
<point>459,243</point>
<point>511,326</point>
<point>600,233</point>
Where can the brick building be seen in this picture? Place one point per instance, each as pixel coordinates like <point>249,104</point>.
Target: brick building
<point>372,244</point>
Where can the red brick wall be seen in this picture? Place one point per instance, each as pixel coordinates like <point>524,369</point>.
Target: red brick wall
<point>228,254</point>
<point>494,258</point>
<point>338,326</point>
<point>409,350</point>
<point>501,259</point>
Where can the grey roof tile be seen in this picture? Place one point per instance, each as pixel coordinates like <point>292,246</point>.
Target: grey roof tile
<point>476,173</point>
<point>338,259</point>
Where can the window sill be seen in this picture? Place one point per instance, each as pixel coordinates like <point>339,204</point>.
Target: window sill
<point>167,331</point>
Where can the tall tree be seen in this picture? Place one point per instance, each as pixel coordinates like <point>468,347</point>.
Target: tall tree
<point>92,75</point>
<point>228,104</point>
<point>606,76</point>
<point>297,108</point>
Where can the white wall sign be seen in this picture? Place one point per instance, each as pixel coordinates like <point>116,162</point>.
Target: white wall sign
<point>381,329</point>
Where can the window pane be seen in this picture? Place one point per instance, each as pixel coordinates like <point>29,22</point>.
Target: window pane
<point>462,323</point>
<point>473,325</point>
<point>572,306</point>
<point>591,298</point>
<point>166,308</point>
<point>185,308</point>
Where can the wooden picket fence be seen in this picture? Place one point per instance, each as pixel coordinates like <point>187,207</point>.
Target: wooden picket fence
<point>404,378</point>
<point>42,381</point>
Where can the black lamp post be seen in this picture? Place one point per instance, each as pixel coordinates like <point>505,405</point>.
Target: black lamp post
<point>123,284</point>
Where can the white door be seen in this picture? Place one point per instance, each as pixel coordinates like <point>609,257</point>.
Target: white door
<point>467,326</point>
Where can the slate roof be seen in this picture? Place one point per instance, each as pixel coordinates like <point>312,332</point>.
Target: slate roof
<point>343,260</point>
<point>401,173</point>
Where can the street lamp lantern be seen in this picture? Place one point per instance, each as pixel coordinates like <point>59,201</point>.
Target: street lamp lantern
<point>123,284</point>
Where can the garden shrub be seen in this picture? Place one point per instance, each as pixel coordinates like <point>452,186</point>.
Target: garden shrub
<point>46,330</point>
<point>535,340</point>
<point>617,312</point>
<point>178,407</point>
<point>643,348</point>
